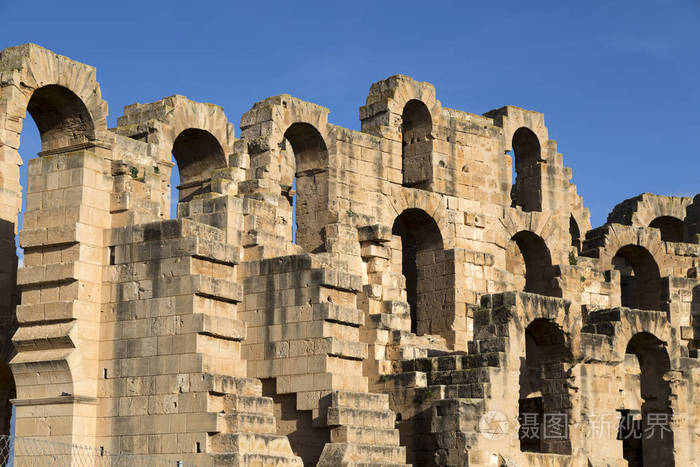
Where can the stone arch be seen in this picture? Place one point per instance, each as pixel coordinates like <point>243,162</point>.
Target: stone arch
<point>635,322</point>
<point>526,178</point>
<point>645,425</point>
<point>61,117</point>
<point>197,154</point>
<point>544,395</point>
<point>604,243</point>
<point>526,146</point>
<point>397,104</point>
<point>163,121</point>
<point>550,228</point>
<point>641,210</point>
<point>384,113</point>
<point>529,260</point>
<point>64,124</point>
<point>67,100</point>
<point>64,99</point>
<point>533,307</point>
<point>640,280</point>
<point>582,217</point>
<point>269,119</point>
<point>418,239</point>
<point>264,127</point>
<point>416,144</point>
<point>434,205</point>
<point>199,132</point>
<point>272,158</point>
<point>526,192</point>
<point>670,228</point>
<point>308,173</point>
<point>512,118</point>
<point>387,99</point>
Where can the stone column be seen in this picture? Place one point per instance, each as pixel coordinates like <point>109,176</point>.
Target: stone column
<point>57,341</point>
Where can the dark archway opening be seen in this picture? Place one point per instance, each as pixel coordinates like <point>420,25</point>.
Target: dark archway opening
<point>671,228</point>
<point>8,392</point>
<point>694,344</point>
<point>543,403</point>
<point>529,260</point>
<point>640,281</point>
<point>416,145</point>
<point>575,234</point>
<point>197,154</point>
<point>420,238</point>
<point>59,120</point>
<point>645,429</point>
<point>527,189</point>
<point>308,179</point>
<point>61,117</point>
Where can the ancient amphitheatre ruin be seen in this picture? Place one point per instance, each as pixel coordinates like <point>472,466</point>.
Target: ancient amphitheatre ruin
<point>426,309</point>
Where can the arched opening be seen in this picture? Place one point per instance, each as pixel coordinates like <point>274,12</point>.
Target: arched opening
<point>529,260</point>
<point>59,123</point>
<point>694,343</point>
<point>307,178</point>
<point>575,234</point>
<point>416,144</point>
<point>8,392</point>
<point>61,117</point>
<point>640,281</point>
<point>197,154</point>
<point>671,228</point>
<point>527,189</point>
<point>416,239</point>
<point>645,419</point>
<point>543,403</point>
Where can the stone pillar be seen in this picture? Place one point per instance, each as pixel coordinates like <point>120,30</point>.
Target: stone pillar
<point>10,205</point>
<point>57,341</point>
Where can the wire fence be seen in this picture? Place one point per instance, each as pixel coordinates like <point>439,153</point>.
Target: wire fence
<point>35,452</point>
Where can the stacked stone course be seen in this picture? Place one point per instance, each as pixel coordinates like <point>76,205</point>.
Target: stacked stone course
<point>425,291</point>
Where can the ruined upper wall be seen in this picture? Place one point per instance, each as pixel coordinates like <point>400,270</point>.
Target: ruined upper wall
<point>411,154</point>
<point>666,213</point>
<point>423,233</point>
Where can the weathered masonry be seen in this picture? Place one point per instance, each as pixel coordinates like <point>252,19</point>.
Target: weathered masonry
<point>425,291</point>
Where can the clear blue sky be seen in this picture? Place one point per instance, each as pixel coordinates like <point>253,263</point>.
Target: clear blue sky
<point>618,82</point>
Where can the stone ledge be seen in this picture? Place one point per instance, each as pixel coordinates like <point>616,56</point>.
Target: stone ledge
<point>45,337</point>
<point>217,326</point>
<point>338,314</point>
<point>55,400</point>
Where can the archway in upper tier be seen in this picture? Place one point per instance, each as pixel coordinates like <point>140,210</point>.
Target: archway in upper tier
<point>640,281</point>
<point>418,238</point>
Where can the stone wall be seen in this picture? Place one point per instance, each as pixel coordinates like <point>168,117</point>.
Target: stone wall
<point>428,290</point>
